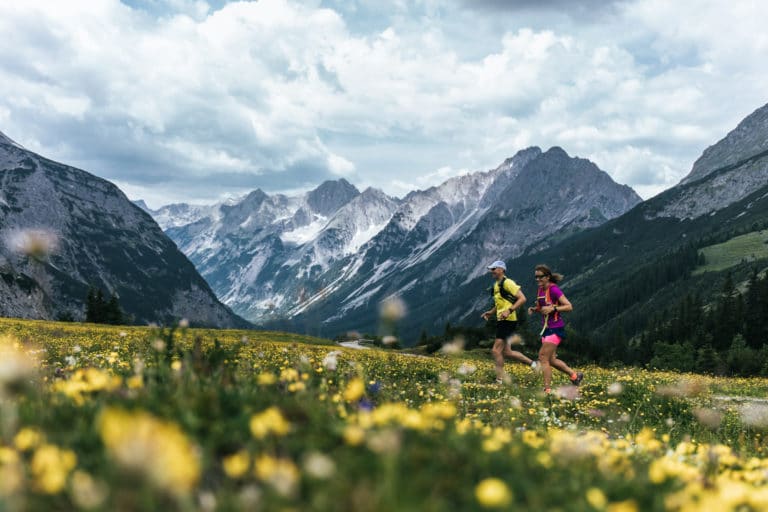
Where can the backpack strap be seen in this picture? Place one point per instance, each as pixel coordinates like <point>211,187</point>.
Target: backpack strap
<point>504,292</point>
<point>547,302</point>
<point>555,314</point>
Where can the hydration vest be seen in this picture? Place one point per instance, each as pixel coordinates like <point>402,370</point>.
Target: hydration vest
<point>503,291</point>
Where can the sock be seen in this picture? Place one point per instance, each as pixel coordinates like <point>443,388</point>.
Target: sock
<point>574,376</point>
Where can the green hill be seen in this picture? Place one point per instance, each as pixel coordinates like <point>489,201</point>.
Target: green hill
<point>739,249</point>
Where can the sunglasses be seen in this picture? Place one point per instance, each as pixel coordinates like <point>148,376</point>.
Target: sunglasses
<point>539,276</point>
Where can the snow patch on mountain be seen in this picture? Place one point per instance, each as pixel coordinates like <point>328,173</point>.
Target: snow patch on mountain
<point>305,234</point>
<point>361,237</point>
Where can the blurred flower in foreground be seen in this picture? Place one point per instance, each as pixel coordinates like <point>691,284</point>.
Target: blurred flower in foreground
<point>86,491</point>
<point>87,380</point>
<point>568,392</point>
<point>708,417</point>
<point>623,506</point>
<point>249,497</point>
<point>158,449</point>
<point>281,474</point>
<point>11,472</point>
<point>269,421</point>
<point>467,369</point>
<point>51,466</point>
<point>319,466</point>
<point>455,346</point>
<point>389,340</point>
<point>266,379</point>
<point>35,243</point>
<point>392,309</point>
<point>493,493</point>
<point>385,441</point>
<point>27,439</point>
<point>355,390</point>
<point>353,435</point>
<point>15,365</point>
<point>237,464</point>
<point>596,498</point>
<point>330,361</point>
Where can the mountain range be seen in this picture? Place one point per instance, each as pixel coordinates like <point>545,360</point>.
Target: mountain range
<point>324,261</point>
<point>64,230</point>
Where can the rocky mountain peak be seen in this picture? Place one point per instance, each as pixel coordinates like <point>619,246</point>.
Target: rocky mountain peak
<point>524,154</point>
<point>143,205</point>
<point>556,152</point>
<point>330,196</point>
<point>748,139</point>
<point>728,171</point>
<point>4,139</point>
<point>102,240</point>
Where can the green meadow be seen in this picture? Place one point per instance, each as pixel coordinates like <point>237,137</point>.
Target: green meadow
<point>116,418</point>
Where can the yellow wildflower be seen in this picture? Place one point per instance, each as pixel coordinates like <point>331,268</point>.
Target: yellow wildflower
<point>355,390</point>
<point>289,375</point>
<point>596,498</point>
<point>135,382</point>
<point>50,466</point>
<point>266,379</point>
<point>27,439</point>
<point>8,456</point>
<point>236,465</point>
<point>623,506</point>
<point>269,421</point>
<point>281,474</point>
<point>493,493</point>
<point>353,435</point>
<point>158,449</point>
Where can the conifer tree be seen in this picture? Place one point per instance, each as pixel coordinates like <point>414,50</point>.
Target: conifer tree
<point>113,314</point>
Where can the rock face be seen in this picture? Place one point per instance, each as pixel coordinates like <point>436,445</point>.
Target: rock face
<point>748,139</point>
<point>329,257</point>
<point>63,230</point>
<point>726,172</point>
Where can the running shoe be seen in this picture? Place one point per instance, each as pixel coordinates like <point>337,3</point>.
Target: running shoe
<point>578,379</point>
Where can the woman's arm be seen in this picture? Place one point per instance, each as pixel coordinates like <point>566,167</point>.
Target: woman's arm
<point>563,305</point>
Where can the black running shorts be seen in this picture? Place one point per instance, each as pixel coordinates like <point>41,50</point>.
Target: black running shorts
<point>505,329</point>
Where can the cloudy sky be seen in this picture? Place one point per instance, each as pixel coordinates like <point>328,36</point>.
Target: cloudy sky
<point>193,100</point>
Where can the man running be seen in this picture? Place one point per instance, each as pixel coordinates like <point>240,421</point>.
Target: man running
<point>507,297</point>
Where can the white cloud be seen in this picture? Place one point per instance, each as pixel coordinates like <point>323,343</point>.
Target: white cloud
<point>283,94</point>
<point>340,166</point>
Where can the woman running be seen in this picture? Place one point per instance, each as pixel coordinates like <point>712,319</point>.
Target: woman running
<point>551,303</point>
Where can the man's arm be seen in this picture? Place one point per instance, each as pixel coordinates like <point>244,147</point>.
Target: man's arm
<point>519,301</point>
<point>488,313</point>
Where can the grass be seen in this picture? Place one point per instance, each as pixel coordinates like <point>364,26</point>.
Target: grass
<point>115,418</point>
<point>66,332</point>
<point>744,248</point>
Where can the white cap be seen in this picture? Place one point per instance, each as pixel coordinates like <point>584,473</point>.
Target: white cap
<point>497,264</point>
